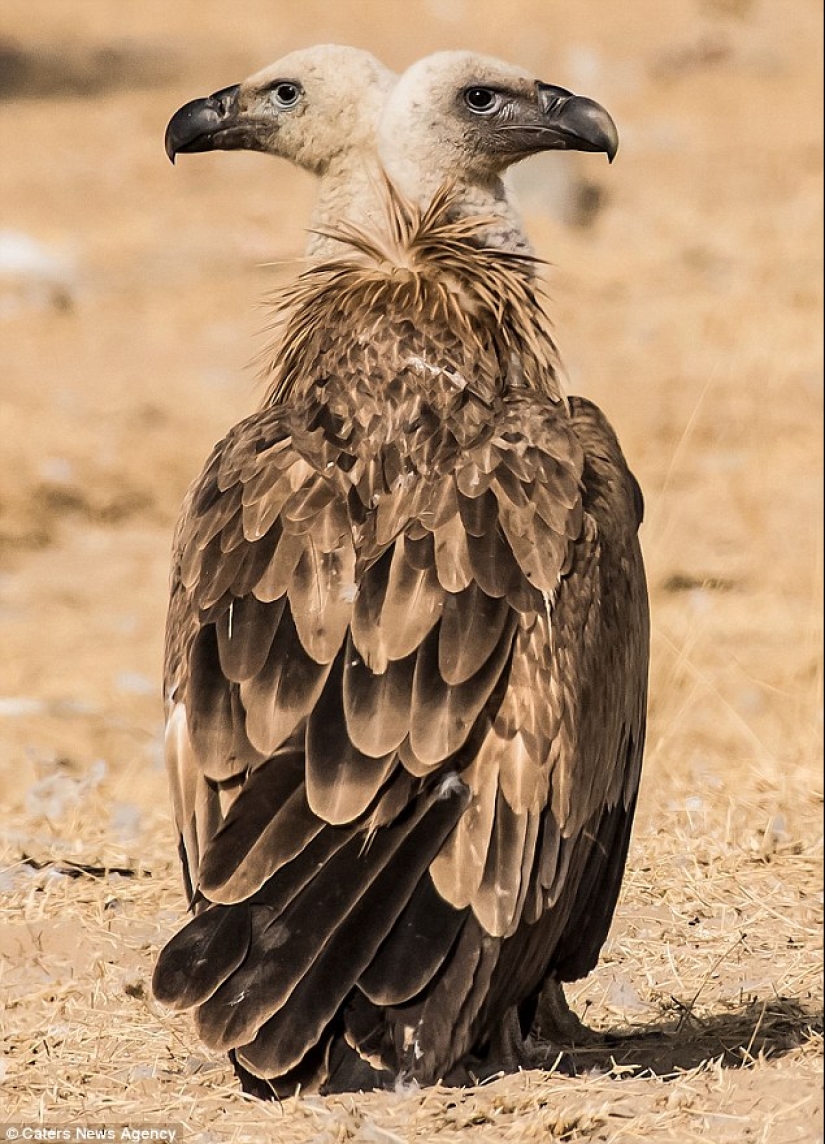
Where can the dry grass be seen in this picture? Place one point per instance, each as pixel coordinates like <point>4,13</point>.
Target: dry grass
<point>709,994</point>
<point>689,310</point>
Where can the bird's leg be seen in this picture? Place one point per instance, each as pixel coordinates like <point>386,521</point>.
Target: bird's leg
<point>555,1020</point>
<point>508,1050</point>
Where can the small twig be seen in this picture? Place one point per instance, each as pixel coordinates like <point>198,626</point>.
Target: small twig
<point>688,1009</point>
<point>756,1028</point>
<point>78,869</point>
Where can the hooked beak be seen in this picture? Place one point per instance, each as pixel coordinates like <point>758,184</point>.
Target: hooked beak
<point>576,123</point>
<point>216,123</point>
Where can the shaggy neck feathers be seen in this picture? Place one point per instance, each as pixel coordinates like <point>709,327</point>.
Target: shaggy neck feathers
<point>420,180</point>
<point>425,271</point>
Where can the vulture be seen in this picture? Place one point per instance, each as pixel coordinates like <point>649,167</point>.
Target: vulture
<point>407,638</point>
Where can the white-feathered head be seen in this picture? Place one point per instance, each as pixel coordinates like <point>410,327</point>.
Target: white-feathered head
<point>313,107</point>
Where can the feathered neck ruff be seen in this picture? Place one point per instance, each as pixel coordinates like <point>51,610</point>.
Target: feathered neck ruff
<point>429,264</point>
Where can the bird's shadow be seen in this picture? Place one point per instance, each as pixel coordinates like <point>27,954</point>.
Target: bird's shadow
<point>735,1036</point>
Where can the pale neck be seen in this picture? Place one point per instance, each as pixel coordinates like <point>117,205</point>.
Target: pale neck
<point>479,198</point>
<point>353,191</point>
<point>350,191</point>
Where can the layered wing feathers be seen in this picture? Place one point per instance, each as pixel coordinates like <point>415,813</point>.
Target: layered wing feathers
<point>396,617</point>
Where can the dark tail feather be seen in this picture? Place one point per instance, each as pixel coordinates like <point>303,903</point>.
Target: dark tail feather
<point>308,1076</point>
<point>200,958</point>
<point>342,956</point>
<point>587,928</point>
<point>284,946</point>
<point>349,1072</point>
<point>268,824</point>
<point>423,1032</point>
<point>414,949</point>
<point>285,885</point>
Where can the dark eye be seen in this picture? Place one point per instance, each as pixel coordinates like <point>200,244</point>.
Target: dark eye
<point>481,99</point>
<point>286,94</point>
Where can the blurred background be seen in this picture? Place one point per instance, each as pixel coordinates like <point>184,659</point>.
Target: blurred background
<point>685,285</point>
<point>684,282</point>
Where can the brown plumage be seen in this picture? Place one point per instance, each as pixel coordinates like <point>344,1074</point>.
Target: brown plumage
<point>406,674</point>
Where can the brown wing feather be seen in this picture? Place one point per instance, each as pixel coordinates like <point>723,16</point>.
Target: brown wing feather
<point>320,598</point>
<point>267,825</point>
<point>341,781</point>
<point>201,957</point>
<point>442,716</point>
<point>495,902</point>
<point>459,867</point>
<point>284,692</point>
<point>414,950</point>
<point>399,602</point>
<point>472,625</point>
<point>215,720</point>
<point>377,706</point>
<point>245,632</point>
<point>452,555</point>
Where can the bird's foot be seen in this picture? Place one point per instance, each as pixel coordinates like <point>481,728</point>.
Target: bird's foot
<point>557,1023</point>
<point>508,1052</point>
<point>508,1048</point>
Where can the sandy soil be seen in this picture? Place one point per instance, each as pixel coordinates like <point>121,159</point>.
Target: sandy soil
<point>688,305</point>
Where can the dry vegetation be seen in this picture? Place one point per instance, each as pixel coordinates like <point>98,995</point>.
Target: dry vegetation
<point>688,307</point>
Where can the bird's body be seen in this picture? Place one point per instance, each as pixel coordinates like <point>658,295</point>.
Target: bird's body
<point>405,675</point>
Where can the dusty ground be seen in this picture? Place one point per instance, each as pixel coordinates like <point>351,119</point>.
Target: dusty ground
<point>689,309</point>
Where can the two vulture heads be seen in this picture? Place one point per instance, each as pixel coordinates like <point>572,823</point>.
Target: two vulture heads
<point>340,114</point>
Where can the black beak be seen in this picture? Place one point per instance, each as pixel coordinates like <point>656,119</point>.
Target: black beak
<point>579,124</point>
<point>210,124</point>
